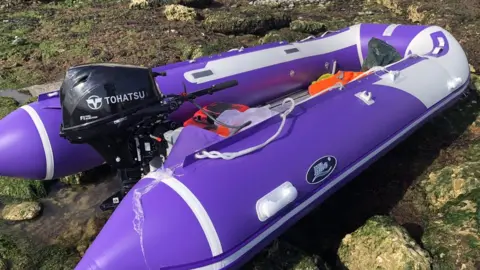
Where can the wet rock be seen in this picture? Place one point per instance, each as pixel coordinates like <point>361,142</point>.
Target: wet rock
<point>382,244</point>
<point>311,27</point>
<point>180,13</point>
<point>82,235</point>
<point>93,227</point>
<point>450,183</point>
<point>453,236</point>
<point>281,255</point>
<point>21,211</point>
<point>246,21</point>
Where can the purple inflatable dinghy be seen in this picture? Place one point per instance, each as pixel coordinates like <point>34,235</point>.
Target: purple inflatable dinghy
<point>218,201</point>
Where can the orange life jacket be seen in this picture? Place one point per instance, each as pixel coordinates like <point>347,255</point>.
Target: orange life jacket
<point>328,80</point>
<point>200,119</point>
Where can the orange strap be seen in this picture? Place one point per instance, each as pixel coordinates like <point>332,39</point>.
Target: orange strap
<point>325,82</point>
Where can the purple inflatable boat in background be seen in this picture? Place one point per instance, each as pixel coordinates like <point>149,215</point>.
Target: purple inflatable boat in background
<point>211,206</point>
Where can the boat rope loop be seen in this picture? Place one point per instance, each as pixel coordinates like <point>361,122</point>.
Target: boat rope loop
<point>232,155</point>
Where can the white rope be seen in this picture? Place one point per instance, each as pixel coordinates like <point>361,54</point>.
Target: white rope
<point>232,155</point>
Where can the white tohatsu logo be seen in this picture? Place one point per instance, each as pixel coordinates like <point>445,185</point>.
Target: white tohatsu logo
<point>125,97</point>
<point>94,102</point>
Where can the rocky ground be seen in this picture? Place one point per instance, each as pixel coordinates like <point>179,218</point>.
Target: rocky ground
<point>416,208</point>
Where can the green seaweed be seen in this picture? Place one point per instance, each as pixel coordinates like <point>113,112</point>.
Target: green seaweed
<point>14,257</point>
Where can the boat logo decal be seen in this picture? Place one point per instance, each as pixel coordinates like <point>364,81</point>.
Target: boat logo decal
<point>321,169</point>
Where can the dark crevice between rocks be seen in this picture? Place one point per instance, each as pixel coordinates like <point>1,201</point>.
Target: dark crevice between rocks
<point>380,188</point>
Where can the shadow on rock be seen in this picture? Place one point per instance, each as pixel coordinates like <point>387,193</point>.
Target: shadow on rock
<point>382,188</point>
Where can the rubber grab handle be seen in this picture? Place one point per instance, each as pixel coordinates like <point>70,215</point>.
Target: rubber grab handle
<point>224,85</point>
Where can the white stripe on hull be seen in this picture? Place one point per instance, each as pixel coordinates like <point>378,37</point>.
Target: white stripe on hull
<point>200,213</point>
<point>47,146</point>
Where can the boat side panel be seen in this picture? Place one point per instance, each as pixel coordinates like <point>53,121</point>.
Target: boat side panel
<point>171,233</point>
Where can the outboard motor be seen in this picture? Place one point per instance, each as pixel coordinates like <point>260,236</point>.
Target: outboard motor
<point>121,113</point>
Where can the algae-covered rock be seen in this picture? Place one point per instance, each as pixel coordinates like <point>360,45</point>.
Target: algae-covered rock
<point>246,21</point>
<point>21,211</point>
<point>453,236</point>
<point>82,235</point>
<point>475,81</point>
<point>142,3</point>
<point>282,35</point>
<point>382,244</point>
<point>58,257</point>
<point>281,255</point>
<point>21,253</point>
<point>7,105</point>
<point>308,26</point>
<point>180,13</point>
<point>450,183</point>
<point>194,51</point>
<point>13,256</point>
<point>93,227</point>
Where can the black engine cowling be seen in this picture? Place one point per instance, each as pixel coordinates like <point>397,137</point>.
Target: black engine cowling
<point>102,98</point>
<point>118,110</point>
